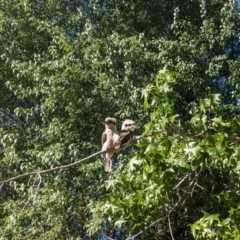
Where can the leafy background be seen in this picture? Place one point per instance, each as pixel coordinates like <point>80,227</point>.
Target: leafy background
<point>173,66</point>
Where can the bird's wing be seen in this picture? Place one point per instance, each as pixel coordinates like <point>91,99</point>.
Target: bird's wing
<point>125,138</point>
<point>104,138</point>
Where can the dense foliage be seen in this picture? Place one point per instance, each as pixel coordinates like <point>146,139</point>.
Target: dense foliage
<point>173,66</point>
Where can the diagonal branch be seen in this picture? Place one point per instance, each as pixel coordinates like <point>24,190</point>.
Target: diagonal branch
<point>51,169</point>
<point>170,228</point>
<point>233,140</point>
<point>155,222</point>
<point>108,237</point>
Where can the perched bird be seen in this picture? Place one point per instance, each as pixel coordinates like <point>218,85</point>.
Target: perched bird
<point>127,134</point>
<point>109,137</point>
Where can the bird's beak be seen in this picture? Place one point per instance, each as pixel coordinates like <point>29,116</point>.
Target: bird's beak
<point>136,127</point>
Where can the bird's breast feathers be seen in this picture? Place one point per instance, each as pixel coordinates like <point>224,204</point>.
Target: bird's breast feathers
<point>108,139</point>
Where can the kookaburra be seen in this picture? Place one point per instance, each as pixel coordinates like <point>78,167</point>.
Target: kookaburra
<point>109,137</point>
<point>127,134</point>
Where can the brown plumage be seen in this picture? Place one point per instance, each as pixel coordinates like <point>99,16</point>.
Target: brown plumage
<point>127,134</point>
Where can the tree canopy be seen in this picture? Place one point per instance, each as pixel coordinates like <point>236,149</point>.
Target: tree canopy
<point>172,66</point>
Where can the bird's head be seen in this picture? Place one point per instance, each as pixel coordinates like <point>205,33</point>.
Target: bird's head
<point>110,122</point>
<point>129,124</point>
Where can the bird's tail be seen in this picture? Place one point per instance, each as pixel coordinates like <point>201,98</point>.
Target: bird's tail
<point>108,163</point>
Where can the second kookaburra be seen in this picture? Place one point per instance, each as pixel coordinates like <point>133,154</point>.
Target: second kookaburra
<point>109,137</point>
<point>127,134</point>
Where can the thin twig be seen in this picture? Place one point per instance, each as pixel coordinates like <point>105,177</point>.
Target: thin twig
<point>95,126</point>
<point>146,228</point>
<point>37,189</point>
<point>200,186</point>
<point>180,182</point>
<point>169,225</point>
<point>52,169</point>
<point>32,196</point>
<point>147,135</point>
<point>107,237</point>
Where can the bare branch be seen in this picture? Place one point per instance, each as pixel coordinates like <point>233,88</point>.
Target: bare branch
<point>173,129</point>
<point>107,237</point>
<point>34,191</point>
<point>180,182</point>
<point>146,228</point>
<point>170,229</point>
<point>51,169</point>
<point>95,126</point>
<point>37,189</point>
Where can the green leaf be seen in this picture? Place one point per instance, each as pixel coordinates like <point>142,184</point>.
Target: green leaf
<point>119,223</point>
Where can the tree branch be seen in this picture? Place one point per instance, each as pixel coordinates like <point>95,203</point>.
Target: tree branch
<point>170,228</point>
<point>51,169</point>
<point>107,237</point>
<point>233,140</point>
